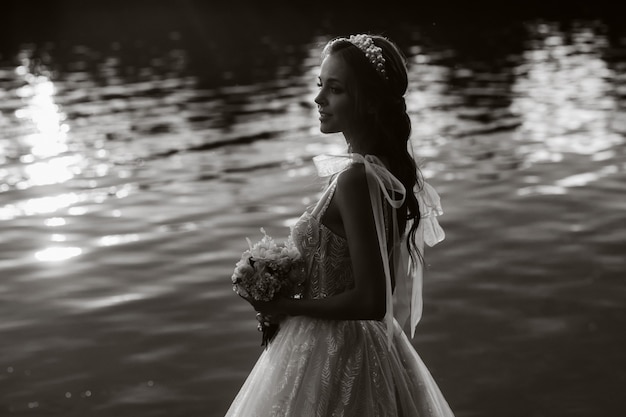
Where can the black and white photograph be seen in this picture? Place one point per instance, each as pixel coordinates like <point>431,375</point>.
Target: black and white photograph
<point>312,209</point>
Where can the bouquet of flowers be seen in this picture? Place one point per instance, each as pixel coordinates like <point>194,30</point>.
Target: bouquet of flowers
<point>266,271</point>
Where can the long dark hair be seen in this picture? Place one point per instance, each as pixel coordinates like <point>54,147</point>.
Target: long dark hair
<point>380,110</point>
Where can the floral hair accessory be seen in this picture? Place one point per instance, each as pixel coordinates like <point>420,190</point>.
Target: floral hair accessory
<point>373,53</point>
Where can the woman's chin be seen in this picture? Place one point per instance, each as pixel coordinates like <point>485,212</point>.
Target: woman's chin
<point>327,129</point>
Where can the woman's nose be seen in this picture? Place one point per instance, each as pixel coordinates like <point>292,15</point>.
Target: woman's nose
<point>319,99</point>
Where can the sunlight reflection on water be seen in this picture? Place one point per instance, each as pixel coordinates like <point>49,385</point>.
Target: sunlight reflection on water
<point>56,254</point>
<point>40,109</point>
<point>40,205</point>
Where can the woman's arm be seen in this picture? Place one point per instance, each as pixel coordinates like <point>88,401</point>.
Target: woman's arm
<point>366,301</point>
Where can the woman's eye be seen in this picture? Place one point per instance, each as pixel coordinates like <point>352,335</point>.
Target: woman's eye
<point>334,90</point>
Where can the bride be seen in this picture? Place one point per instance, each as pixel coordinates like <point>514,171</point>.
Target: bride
<point>341,349</point>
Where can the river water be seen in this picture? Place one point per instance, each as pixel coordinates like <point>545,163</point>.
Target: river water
<point>133,164</point>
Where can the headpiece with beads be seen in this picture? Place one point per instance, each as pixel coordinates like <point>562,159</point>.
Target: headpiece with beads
<point>373,53</point>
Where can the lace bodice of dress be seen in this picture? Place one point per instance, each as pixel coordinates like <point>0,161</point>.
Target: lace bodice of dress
<point>328,266</point>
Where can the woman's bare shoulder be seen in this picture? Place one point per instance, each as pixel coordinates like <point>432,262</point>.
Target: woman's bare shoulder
<point>352,186</point>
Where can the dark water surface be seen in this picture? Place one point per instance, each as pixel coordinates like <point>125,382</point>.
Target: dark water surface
<point>140,145</point>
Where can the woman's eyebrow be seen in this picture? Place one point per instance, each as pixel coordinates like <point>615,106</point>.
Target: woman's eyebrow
<point>331,79</point>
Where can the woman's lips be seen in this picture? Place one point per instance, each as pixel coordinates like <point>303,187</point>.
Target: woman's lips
<point>324,116</point>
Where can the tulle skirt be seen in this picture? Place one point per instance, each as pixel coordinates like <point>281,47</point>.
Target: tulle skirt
<point>323,368</point>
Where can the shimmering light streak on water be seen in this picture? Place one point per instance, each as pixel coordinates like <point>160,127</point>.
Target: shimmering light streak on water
<point>40,205</point>
<point>50,132</point>
<point>112,240</point>
<point>56,237</point>
<point>57,254</point>
<point>55,222</point>
<point>581,180</point>
<point>53,171</point>
<point>106,301</point>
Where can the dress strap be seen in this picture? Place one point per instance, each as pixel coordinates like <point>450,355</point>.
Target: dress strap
<point>324,201</point>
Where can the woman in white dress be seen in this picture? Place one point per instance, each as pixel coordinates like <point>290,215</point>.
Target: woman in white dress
<point>341,349</point>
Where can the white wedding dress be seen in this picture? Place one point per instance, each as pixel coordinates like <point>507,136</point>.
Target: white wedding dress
<point>350,368</point>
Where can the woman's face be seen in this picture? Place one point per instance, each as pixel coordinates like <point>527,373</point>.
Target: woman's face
<point>334,103</point>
